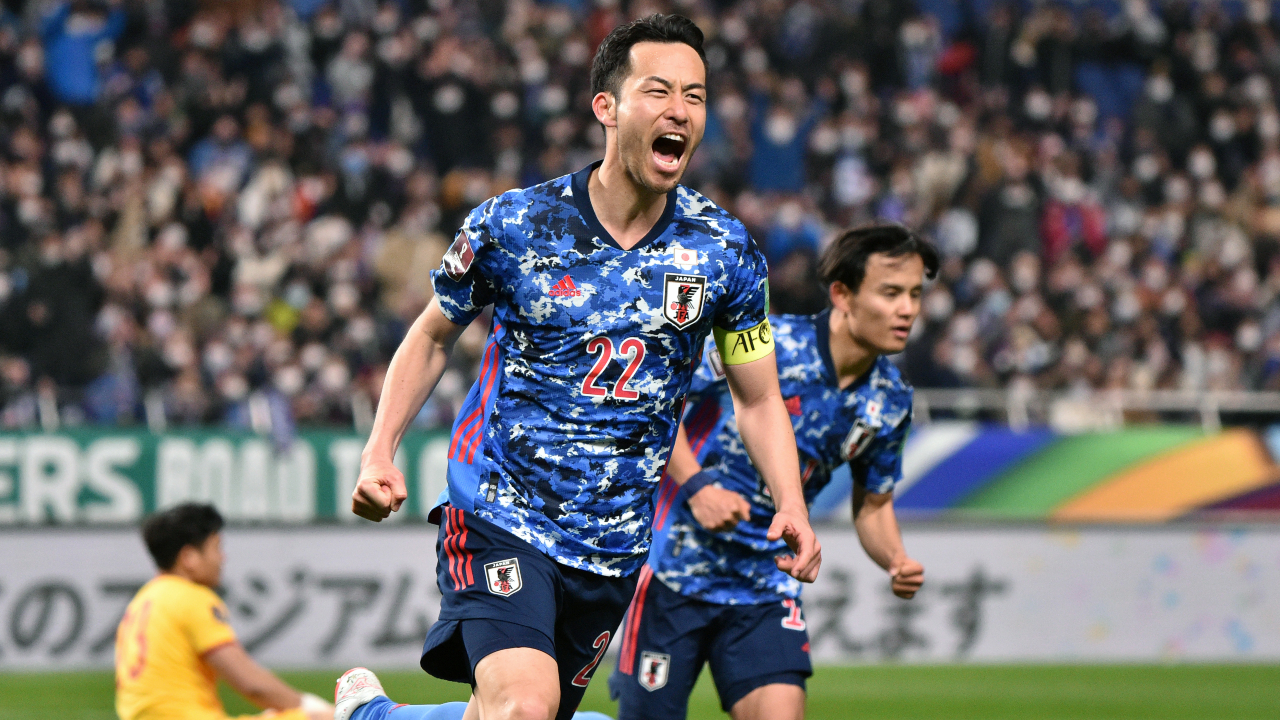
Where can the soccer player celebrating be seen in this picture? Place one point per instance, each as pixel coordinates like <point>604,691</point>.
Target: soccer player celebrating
<point>174,641</point>
<point>605,285</point>
<point>718,597</point>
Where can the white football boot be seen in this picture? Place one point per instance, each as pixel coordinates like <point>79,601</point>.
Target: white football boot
<point>356,687</point>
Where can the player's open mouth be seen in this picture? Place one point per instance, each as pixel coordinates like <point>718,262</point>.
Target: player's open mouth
<point>667,151</point>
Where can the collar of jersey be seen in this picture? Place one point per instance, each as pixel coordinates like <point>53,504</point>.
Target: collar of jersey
<point>582,198</point>
<point>822,333</point>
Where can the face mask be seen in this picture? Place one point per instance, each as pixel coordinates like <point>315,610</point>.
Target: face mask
<point>825,140</point>
<point>1155,276</point>
<point>234,387</point>
<point>1212,195</point>
<point>780,128</point>
<point>1249,337</point>
<point>1146,167</point>
<point>1202,164</point>
<point>853,137</point>
<point>731,108</point>
<point>1177,189</point>
<point>1038,105</point>
<point>853,83</point>
<point>504,105</point>
<point>290,380</point>
<point>1025,277</point>
<point>449,98</point>
<point>938,305</point>
<point>1126,307</point>
<point>1160,88</point>
<point>1269,126</point>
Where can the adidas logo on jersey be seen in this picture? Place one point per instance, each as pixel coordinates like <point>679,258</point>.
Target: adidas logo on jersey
<point>565,288</point>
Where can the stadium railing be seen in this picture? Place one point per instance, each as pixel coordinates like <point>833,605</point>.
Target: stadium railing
<point>1021,408</point>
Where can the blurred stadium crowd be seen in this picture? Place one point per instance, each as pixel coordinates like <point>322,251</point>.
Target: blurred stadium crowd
<point>205,202</point>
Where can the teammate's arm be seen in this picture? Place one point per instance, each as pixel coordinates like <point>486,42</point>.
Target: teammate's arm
<point>877,527</point>
<point>766,432</point>
<point>412,375</point>
<point>258,684</point>
<point>714,507</point>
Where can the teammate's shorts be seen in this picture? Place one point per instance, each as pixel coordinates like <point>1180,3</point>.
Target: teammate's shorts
<point>500,592</point>
<point>668,636</point>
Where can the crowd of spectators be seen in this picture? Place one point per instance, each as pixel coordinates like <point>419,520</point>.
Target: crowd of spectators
<point>206,202</point>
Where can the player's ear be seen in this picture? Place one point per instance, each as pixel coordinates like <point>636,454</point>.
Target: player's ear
<point>187,556</point>
<point>605,106</point>
<point>840,295</point>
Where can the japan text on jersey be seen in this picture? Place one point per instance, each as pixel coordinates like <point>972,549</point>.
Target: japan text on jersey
<point>563,438</point>
<point>864,425</point>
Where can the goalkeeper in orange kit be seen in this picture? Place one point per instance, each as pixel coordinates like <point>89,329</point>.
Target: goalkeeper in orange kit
<point>174,641</point>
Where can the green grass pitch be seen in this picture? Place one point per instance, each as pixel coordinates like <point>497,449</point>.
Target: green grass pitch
<point>974,692</point>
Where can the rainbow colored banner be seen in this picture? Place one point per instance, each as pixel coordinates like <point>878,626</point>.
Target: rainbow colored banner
<point>959,470</point>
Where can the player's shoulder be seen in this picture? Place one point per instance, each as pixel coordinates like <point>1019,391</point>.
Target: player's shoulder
<point>887,378</point>
<point>792,326</point>
<point>696,211</point>
<point>528,204</point>
<point>795,334</point>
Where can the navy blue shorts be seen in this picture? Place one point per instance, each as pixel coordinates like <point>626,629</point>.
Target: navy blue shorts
<point>668,636</point>
<point>500,592</point>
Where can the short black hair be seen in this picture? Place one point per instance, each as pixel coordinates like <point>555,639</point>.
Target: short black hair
<point>166,533</point>
<point>845,259</point>
<point>613,58</point>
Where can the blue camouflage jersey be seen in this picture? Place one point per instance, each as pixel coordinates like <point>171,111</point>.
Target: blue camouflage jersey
<point>564,436</point>
<point>864,424</point>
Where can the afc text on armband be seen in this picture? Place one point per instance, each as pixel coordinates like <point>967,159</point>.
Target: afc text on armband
<point>737,348</point>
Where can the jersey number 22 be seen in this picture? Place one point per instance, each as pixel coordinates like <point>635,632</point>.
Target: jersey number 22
<point>632,349</point>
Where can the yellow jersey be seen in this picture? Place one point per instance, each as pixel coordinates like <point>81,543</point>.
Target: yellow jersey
<point>160,645</point>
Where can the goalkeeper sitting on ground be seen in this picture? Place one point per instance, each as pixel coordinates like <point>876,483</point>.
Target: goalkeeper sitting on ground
<point>174,641</point>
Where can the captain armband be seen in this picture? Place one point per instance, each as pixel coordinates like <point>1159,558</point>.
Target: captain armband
<point>738,347</point>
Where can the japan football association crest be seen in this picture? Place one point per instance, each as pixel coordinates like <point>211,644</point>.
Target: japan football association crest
<point>458,259</point>
<point>683,298</point>
<point>503,577</point>
<point>856,442</point>
<point>654,668</point>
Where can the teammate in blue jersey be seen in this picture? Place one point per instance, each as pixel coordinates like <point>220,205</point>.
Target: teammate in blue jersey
<point>710,591</point>
<point>605,285</point>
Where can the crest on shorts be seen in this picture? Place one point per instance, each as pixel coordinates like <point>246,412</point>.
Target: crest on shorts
<point>503,577</point>
<point>682,298</point>
<point>654,668</point>
<point>856,442</point>
<point>457,260</point>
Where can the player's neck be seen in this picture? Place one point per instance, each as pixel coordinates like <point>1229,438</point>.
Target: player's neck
<point>851,359</point>
<point>625,208</point>
<point>178,572</point>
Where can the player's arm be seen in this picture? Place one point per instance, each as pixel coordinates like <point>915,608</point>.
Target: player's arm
<point>714,507</point>
<point>258,684</point>
<point>765,426</point>
<point>413,373</point>
<point>877,527</point>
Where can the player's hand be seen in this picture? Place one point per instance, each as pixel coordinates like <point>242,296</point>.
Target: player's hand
<point>793,527</point>
<point>380,490</point>
<point>717,509</point>
<point>316,708</point>
<point>906,576</point>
